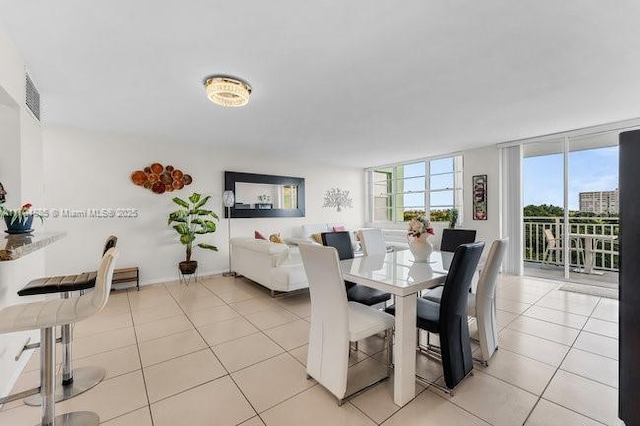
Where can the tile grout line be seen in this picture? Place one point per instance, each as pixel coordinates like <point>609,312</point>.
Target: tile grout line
<point>144,381</point>
<point>367,356</point>
<point>558,369</point>
<point>439,395</point>
<point>214,354</point>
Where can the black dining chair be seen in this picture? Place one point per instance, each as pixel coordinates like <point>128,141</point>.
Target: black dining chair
<point>452,238</point>
<point>448,318</point>
<point>355,292</point>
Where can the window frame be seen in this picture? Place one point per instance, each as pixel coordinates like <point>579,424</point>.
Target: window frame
<point>393,179</point>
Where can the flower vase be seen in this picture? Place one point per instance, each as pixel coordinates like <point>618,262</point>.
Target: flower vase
<point>421,248</point>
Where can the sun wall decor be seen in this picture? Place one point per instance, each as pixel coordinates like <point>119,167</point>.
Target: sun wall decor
<point>160,179</point>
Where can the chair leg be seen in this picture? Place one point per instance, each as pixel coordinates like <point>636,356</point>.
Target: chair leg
<point>47,375</point>
<point>345,398</point>
<point>48,389</point>
<point>389,335</point>
<point>74,380</point>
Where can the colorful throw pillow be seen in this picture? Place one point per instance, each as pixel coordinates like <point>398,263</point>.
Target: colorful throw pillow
<point>275,238</point>
<point>317,238</point>
<point>339,228</point>
<point>258,236</point>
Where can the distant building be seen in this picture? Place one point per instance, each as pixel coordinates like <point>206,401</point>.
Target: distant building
<point>600,202</point>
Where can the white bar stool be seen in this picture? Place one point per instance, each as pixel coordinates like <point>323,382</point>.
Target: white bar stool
<point>46,316</point>
<point>74,380</point>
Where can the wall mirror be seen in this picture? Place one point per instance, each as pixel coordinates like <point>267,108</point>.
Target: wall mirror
<point>265,195</point>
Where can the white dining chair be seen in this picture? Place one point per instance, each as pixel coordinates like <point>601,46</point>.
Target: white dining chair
<point>372,241</point>
<point>335,322</point>
<point>553,244</point>
<point>484,308</point>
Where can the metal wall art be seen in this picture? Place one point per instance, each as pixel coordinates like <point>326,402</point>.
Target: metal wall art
<point>160,179</point>
<point>335,197</point>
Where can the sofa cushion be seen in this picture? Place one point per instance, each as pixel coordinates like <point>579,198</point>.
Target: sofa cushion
<point>279,253</point>
<point>308,230</point>
<point>258,235</point>
<point>260,246</point>
<point>297,241</point>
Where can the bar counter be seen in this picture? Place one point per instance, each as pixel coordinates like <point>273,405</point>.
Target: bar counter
<point>22,259</point>
<point>13,247</point>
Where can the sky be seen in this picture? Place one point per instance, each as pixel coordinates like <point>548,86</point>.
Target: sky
<point>589,170</point>
<point>437,167</point>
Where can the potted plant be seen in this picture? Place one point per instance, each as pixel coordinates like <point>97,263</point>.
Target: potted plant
<point>191,220</point>
<point>454,218</point>
<point>19,221</point>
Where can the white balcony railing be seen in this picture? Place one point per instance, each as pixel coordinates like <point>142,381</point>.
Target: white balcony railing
<point>606,256</point>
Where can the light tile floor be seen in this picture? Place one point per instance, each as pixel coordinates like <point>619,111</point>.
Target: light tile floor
<point>222,352</point>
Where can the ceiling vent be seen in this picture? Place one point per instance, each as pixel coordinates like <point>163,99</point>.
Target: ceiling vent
<point>32,98</point>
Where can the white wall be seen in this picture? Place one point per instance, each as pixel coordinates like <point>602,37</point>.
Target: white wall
<point>12,67</point>
<point>21,175</point>
<point>31,160</point>
<point>10,149</point>
<point>483,161</point>
<point>85,169</point>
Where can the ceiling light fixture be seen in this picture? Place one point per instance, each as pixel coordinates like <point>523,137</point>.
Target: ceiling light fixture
<point>227,91</point>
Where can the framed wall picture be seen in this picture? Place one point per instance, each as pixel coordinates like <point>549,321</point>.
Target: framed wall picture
<point>480,197</point>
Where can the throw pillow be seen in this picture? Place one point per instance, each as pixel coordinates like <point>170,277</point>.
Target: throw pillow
<point>275,238</point>
<point>258,236</point>
<point>317,238</point>
<point>339,229</point>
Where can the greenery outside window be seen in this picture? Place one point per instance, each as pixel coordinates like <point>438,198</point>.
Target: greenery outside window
<point>401,192</point>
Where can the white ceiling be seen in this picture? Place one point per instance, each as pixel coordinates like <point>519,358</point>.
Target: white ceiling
<point>356,82</point>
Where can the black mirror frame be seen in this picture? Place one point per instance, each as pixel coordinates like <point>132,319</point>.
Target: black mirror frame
<point>230,179</point>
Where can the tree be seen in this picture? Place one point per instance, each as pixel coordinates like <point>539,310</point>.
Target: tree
<point>543,210</point>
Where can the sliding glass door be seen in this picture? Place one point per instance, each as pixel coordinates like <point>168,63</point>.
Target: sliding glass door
<point>570,215</point>
<point>543,175</point>
<point>593,208</point>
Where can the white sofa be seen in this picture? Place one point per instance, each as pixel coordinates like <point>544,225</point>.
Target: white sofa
<point>277,267</point>
<point>305,232</point>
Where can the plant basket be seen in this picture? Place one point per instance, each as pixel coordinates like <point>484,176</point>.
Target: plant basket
<point>188,267</point>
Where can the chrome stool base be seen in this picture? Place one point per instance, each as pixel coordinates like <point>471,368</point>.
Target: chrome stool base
<point>77,418</point>
<point>84,378</point>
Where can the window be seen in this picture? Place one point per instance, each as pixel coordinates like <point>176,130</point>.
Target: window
<point>404,191</point>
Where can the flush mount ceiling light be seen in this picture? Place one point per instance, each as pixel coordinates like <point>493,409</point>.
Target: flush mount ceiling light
<point>227,91</point>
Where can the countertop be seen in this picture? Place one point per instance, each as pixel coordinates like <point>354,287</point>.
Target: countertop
<point>13,247</point>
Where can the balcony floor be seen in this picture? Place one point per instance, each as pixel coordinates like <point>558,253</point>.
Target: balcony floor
<point>608,279</point>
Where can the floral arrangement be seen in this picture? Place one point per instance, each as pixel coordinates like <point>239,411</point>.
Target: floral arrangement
<point>419,227</point>
<point>20,215</point>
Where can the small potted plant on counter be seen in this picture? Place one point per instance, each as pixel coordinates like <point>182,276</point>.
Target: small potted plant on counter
<point>19,221</point>
<point>453,215</point>
<point>191,220</point>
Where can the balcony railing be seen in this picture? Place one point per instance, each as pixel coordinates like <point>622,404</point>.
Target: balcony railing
<point>606,256</point>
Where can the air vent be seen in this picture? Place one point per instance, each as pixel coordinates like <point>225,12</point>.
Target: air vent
<point>32,97</point>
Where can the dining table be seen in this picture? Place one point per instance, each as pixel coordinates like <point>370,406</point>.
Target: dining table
<point>399,274</point>
<point>590,242</point>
